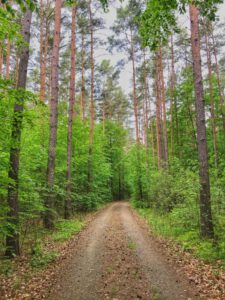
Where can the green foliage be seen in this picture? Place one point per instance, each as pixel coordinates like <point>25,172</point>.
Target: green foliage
<point>42,258</point>
<point>108,155</point>
<point>24,4</point>
<point>157,22</point>
<point>159,19</point>
<point>172,209</point>
<point>171,226</point>
<point>65,229</point>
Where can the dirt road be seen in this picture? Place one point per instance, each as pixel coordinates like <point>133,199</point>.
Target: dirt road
<point>116,258</point>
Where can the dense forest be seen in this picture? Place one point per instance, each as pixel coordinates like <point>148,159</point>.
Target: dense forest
<point>73,139</point>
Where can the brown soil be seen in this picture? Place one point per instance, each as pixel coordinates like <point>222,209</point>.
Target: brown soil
<point>116,258</point>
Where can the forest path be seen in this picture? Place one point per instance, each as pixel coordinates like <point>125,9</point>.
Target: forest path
<point>116,258</point>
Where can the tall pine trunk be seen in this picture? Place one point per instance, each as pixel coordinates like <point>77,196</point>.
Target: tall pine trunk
<point>12,239</point>
<point>212,102</point>
<point>159,133</point>
<point>92,106</point>
<point>82,96</point>
<point>71,113</point>
<point>172,96</point>
<point>1,60</point>
<point>206,224</point>
<point>49,199</point>
<point>163,93</point>
<point>220,87</point>
<point>8,53</point>
<point>134,90</point>
<point>146,125</point>
<point>42,82</point>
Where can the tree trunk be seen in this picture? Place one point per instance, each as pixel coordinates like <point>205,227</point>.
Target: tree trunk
<point>92,107</point>
<point>134,91</point>
<point>220,87</point>
<point>8,53</point>
<point>12,239</point>
<point>16,71</point>
<point>172,90</point>
<point>42,81</point>
<point>71,114</point>
<point>212,103</point>
<point>159,137</point>
<point>163,93</point>
<point>44,35</point>
<point>145,104</point>
<point>206,224</point>
<point>49,200</point>
<point>82,98</point>
<point>1,61</point>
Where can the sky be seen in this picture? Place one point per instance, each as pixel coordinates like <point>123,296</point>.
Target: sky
<point>109,18</point>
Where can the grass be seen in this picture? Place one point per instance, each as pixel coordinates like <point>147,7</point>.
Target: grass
<point>156,294</point>
<point>42,258</point>
<point>166,225</point>
<point>65,229</point>
<point>132,245</point>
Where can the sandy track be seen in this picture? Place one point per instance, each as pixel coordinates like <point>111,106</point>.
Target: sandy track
<point>117,259</point>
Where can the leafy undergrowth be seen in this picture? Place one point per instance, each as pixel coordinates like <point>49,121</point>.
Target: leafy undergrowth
<point>36,264</point>
<point>167,226</point>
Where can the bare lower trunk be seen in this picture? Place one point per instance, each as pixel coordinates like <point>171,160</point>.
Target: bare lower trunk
<point>49,200</point>
<point>172,90</point>
<point>92,107</point>
<point>44,36</point>
<point>206,224</point>
<point>152,133</point>
<point>145,104</point>
<point>163,93</point>
<point>134,91</point>
<point>212,102</point>
<point>220,87</point>
<point>103,117</point>
<point>8,53</point>
<point>82,98</point>
<point>12,239</point>
<point>159,135</point>
<point>42,82</point>
<point>1,61</point>
<point>71,114</point>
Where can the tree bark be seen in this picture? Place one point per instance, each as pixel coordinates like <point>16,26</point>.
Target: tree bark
<point>8,53</point>
<point>134,90</point>
<point>145,104</point>
<point>71,114</point>
<point>206,223</point>
<point>1,61</point>
<point>221,91</point>
<point>159,134</point>
<point>42,83</point>
<point>163,93</point>
<point>212,102</point>
<point>49,200</point>
<point>82,98</point>
<point>12,239</point>
<point>172,90</point>
<point>92,106</point>
<point>44,32</point>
